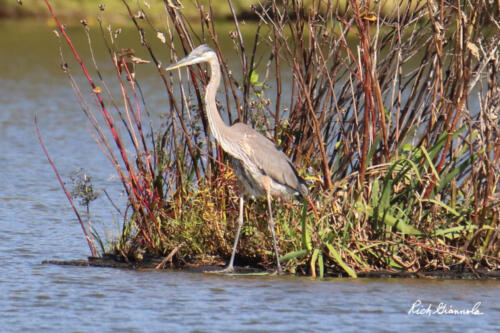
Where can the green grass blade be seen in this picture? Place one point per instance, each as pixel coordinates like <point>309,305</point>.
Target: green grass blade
<point>455,230</point>
<point>443,205</point>
<point>306,235</point>
<point>390,220</point>
<point>400,225</point>
<point>440,143</point>
<point>321,265</point>
<point>338,259</point>
<point>372,150</point>
<point>429,161</point>
<point>356,257</point>
<point>294,255</point>
<point>453,173</point>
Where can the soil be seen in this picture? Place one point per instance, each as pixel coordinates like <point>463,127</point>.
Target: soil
<point>158,263</point>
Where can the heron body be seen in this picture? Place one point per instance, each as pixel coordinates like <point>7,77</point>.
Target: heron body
<point>260,167</point>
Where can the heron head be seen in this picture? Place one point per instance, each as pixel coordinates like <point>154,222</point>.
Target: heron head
<point>202,53</point>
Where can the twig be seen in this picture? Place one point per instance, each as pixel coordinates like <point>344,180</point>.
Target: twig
<point>168,258</point>
<point>90,241</point>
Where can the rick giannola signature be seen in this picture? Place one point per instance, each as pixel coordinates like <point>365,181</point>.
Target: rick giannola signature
<point>420,309</point>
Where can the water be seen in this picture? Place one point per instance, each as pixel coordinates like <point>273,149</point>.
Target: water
<point>37,223</point>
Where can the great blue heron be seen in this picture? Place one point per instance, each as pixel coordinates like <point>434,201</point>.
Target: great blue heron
<point>261,168</point>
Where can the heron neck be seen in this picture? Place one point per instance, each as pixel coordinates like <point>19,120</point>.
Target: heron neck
<point>217,125</point>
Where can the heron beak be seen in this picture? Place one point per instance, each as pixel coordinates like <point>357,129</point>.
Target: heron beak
<point>186,61</point>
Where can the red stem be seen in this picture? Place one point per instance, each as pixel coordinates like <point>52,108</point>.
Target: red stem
<point>89,240</point>
<point>135,186</point>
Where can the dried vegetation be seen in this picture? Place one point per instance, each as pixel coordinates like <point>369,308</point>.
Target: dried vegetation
<point>393,122</point>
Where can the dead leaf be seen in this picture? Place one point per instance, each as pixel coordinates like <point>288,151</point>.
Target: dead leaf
<point>125,53</point>
<point>161,37</point>
<point>174,4</point>
<point>369,16</point>
<point>137,60</point>
<point>474,50</point>
<point>140,15</point>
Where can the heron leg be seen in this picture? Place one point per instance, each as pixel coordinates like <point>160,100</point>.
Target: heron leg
<point>271,226</point>
<point>230,267</point>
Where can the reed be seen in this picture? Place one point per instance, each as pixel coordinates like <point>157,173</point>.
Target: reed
<point>393,122</point>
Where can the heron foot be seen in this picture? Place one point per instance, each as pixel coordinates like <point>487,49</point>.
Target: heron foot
<point>227,270</point>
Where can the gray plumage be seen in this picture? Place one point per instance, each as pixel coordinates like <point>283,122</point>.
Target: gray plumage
<point>262,159</point>
<point>261,168</point>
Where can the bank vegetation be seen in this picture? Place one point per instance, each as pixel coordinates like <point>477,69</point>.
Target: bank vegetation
<point>393,121</point>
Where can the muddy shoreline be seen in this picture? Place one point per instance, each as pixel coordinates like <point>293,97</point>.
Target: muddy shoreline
<point>152,264</point>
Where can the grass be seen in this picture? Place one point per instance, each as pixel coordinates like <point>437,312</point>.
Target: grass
<point>402,164</point>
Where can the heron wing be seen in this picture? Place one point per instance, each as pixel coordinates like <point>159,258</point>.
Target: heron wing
<point>272,162</point>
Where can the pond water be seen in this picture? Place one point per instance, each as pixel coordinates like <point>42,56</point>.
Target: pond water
<point>37,223</point>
